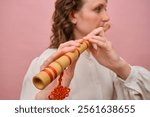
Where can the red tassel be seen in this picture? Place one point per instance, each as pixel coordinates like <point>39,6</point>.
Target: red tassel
<point>60,92</point>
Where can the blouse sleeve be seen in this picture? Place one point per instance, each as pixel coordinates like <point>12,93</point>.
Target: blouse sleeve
<point>29,91</point>
<point>136,86</point>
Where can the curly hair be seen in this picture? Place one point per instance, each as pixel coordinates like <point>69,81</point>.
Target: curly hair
<point>62,27</point>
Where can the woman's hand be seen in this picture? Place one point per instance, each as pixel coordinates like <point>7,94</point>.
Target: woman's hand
<point>68,73</point>
<point>104,53</point>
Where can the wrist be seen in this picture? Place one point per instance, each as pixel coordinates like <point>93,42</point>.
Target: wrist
<point>122,69</point>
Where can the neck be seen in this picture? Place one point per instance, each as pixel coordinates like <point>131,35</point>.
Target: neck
<point>78,34</point>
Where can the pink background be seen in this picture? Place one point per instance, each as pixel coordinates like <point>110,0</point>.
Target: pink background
<point>25,30</point>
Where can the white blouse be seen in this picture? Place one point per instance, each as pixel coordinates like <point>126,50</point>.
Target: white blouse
<point>93,81</point>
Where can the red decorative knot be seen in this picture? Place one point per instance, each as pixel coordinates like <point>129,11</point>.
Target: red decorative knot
<point>60,92</point>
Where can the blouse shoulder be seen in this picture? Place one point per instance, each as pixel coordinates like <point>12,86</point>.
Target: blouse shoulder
<point>45,55</point>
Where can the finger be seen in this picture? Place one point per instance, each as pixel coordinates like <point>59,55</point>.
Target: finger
<point>103,39</point>
<point>69,43</point>
<point>106,27</point>
<point>95,32</point>
<point>98,43</point>
<point>93,49</point>
<point>102,33</point>
<point>98,38</point>
<point>99,31</point>
<point>56,55</point>
<point>79,40</point>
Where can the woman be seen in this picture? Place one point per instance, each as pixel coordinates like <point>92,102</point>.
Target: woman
<point>99,73</point>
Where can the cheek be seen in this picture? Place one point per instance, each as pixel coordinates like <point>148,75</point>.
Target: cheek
<point>92,21</point>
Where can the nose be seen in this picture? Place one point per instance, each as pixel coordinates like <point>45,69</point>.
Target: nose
<point>105,17</point>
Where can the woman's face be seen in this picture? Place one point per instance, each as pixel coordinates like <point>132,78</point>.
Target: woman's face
<point>92,15</point>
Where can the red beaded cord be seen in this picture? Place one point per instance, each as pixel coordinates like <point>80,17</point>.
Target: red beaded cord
<point>60,92</point>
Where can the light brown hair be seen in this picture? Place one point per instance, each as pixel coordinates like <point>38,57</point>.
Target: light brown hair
<point>62,27</point>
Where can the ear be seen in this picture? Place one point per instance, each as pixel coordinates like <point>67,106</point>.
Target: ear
<point>73,17</point>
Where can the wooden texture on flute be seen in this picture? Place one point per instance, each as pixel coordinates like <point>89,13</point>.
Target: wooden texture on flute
<point>46,76</point>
